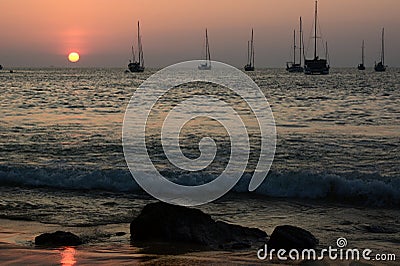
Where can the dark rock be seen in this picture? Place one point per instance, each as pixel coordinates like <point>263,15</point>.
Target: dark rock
<point>170,223</point>
<point>120,233</point>
<point>291,237</point>
<point>57,239</point>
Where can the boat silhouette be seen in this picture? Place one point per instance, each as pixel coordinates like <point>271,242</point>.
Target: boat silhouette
<point>362,66</point>
<point>293,66</point>
<point>316,65</point>
<point>207,64</point>
<point>250,54</point>
<point>137,65</point>
<point>380,66</point>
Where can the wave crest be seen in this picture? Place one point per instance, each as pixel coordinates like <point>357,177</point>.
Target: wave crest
<point>352,188</point>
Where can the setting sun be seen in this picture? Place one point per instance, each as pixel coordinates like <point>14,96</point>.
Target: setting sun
<point>73,57</point>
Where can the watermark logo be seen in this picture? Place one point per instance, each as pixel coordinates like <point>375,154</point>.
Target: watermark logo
<point>340,252</point>
<point>341,242</point>
<point>173,115</point>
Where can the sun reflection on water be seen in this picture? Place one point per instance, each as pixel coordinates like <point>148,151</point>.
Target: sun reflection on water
<point>68,256</point>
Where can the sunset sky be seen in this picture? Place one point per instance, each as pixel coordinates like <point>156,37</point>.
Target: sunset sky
<point>42,32</point>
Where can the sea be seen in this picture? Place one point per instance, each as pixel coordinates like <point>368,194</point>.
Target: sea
<point>336,170</point>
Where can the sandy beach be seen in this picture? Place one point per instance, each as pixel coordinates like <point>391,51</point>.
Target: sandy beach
<point>110,243</point>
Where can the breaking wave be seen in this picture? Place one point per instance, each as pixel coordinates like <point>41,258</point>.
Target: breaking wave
<point>353,188</point>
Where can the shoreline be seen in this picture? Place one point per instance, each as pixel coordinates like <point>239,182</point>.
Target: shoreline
<point>16,237</point>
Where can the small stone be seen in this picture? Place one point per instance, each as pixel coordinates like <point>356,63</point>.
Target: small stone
<point>59,238</point>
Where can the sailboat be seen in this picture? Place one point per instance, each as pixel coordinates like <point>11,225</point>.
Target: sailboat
<point>293,66</point>
<point>250,54</point>
<point>207,64</point>
<point>137,65</point>
<point>362,66</point>
<point>316,65</point>
<point>380,67</point>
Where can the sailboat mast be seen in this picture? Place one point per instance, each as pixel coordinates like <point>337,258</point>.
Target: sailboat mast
<point>315,30</point>
<point>252,45</point>
<point>326,51</point>
<point>248,52</point>
<point>300,38</point>
<point>383,47</point>
<point>141,52</point>
<point>206,45</point>
<point>208,56</point>
<point>138,39</point>
<point>133,54</point>
<point>362,53</point>
<point>294,47</point>
<point>252,49</point>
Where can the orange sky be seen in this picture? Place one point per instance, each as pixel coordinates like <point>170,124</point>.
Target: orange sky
<point>43,32</point>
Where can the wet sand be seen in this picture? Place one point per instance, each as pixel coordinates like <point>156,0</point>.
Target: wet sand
<point>105,248</point>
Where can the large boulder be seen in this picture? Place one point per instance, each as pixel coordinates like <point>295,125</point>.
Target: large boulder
<point>291,237</point>
<point>170,223</point>
<point>57,239</point>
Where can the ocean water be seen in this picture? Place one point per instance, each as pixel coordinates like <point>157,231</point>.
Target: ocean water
<point>61,157</point>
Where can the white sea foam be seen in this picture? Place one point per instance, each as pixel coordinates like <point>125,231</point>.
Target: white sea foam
<point>369,190</point>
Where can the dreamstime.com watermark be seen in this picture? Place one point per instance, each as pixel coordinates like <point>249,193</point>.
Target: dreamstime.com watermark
<point>183,110</point>
<point>340,252</point>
